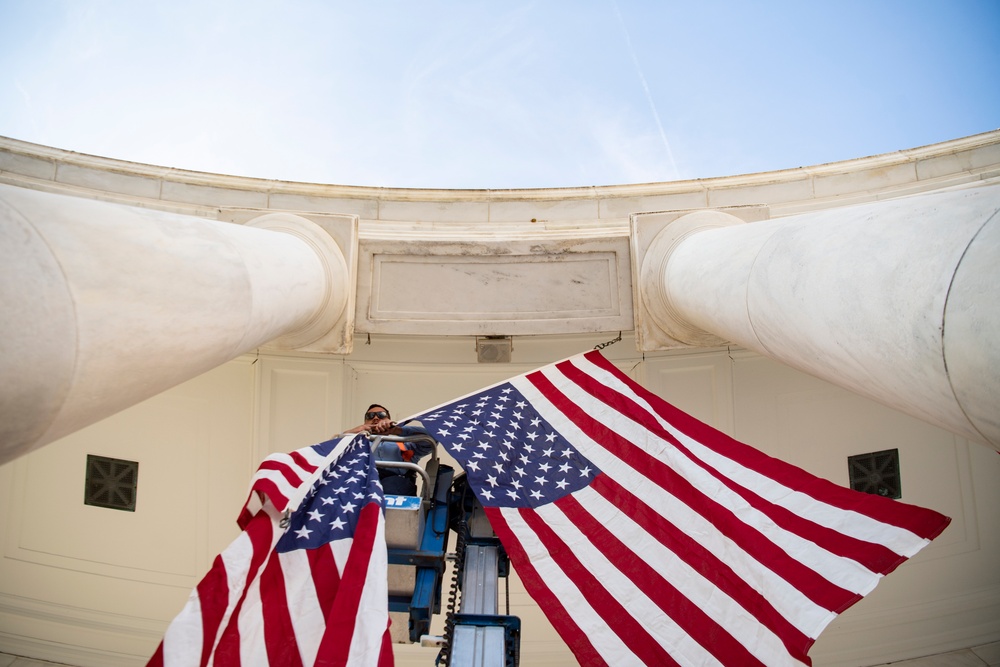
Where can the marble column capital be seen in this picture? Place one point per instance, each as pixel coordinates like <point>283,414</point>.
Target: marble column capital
<point>666,323</point>
<point>334,269</point>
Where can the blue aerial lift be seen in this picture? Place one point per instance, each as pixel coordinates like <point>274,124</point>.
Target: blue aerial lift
<point>417,531</point>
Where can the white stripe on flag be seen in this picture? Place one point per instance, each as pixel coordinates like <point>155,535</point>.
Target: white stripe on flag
<point>801,612</point>
<point>303,605</point>
<point>854,524</point>
<point>635,601</point>
<point>236,558</point>
<point>366,644</point>
<point>592,624</point>
<point>294,493</point>
<point>183,639</point>
<point>341,550</point>
<point>788,600</point>
<point>843,572</point>
<point>284,487</point>
<point>253,650</point>
<point>722,609</point>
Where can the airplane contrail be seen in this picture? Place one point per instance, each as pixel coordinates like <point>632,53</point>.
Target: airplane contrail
<point>645,87</point>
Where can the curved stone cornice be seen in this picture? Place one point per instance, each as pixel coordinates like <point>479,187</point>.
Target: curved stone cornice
<point>922,169</point>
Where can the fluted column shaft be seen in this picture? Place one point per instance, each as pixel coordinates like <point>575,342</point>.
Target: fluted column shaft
<point>105,305</point>
<point>897,300</point>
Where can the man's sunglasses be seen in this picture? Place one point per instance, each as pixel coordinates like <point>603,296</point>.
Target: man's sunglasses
<point>372,415</point>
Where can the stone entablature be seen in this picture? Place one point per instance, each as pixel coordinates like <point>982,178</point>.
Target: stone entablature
<point>529,212</point>
<point>473,263</point>
<point>545,253</point>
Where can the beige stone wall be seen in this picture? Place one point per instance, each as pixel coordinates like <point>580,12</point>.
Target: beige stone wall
<point>90,586</point>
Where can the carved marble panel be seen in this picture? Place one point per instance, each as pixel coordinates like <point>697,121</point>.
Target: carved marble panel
<point>494,288</point>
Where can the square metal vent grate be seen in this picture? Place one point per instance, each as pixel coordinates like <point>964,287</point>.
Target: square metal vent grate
<point>876,473</point>
<point>111,483</point>
<point>494,349</point>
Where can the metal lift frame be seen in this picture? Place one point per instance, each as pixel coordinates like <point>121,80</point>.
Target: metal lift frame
<point>429,557</point>
<point>476,635</point>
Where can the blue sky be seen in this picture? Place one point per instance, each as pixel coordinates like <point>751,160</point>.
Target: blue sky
<point>496,95</point>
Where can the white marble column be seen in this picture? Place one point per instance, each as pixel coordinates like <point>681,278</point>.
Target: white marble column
<point>105,305</point>
<point>897,300</point>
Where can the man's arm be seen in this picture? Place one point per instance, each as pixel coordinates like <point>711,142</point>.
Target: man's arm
<point>420,447</point>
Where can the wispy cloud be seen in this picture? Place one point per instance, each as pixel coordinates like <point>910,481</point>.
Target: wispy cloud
<point>524,94</point>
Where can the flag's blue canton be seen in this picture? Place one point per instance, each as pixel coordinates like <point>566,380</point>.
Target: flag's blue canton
<point>512,456</point>
<point>331,509</point>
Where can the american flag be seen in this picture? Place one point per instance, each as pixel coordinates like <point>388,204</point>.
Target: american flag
<point>649,538</point>
<point>305,583</point>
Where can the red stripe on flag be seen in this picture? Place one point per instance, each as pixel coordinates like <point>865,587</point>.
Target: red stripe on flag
<point>213,598</point>
<point>157,659</point>
<point>245,516</point>
<point>875,557</point>
<point>700,559</point>
<point>279,634</point>
<point>259,531</point>
<point>325,577</point>
<point>292,476</point>
<point>273,493</point>
<point>686,614</point>
<point>925,523</point>
<point>302,462</point>
<point>334,649</point>
<point>619,621</point>
<point>811,584</point>
<point>563,622</point>
<point>386,658</point>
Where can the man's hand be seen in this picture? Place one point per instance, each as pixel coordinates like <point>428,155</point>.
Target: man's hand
<point>376,426</point>
<point>380,425</point>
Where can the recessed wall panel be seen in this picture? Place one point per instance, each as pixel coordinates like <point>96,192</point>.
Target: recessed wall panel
<point>299,403</point>
<point>699,385</point>
<point>496,288</point>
